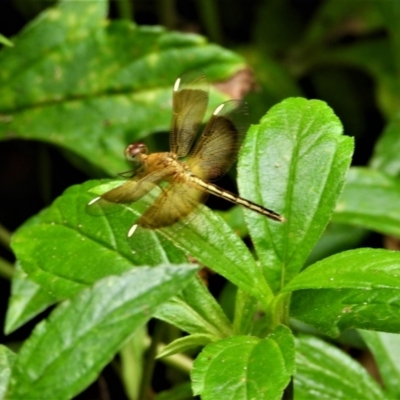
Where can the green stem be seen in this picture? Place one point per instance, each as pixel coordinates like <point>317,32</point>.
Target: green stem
<point>245,308</point>
<point>125,9</point>
<point>179,361</point>
<point>280,310</point>
<point>5,41</point>
<point>131,356</point>
<point>150,360</point>
<point>5,237</point>
<point>6,269</point>
<point>209,17</point>
<point>166,13</point>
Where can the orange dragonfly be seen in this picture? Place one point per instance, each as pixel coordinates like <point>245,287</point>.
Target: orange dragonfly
<point>186,171</point>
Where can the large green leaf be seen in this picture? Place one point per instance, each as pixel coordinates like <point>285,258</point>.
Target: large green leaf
<point>325,372</point>
<point>353,289</point>
<point>65,353</point>
<point>245,367</point>
<point>92,86</point>
<point>68,249</point>
<point>294,162</point>
<point>385,347</point>
<point>371,200</point>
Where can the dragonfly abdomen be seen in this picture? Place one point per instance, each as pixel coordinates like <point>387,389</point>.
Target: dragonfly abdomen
<point>233,198</point>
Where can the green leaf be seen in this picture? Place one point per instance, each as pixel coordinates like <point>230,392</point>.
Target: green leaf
<point>92,86</point>
<point>205,237</point>
<point>185,343</point>
<point>245,367</point>
<point>27,300</point>
<point>370,199</point>
<point>365,269</point>
<point>294,162</point>
<point>385,347</point>
<point>67,249</point>
<point>387,148</point>
<point>7,359</point>
<point>353,289</point>
<point>66,353</point>
<point>325,372</point>
<point>196,311</point>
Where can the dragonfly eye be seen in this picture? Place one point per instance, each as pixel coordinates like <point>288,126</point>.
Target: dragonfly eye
<point>134,151</point>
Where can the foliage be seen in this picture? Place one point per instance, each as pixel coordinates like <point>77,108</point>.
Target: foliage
<point>90,86</point>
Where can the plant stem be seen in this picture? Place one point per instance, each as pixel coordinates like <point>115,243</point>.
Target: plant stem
<point>5,237</point>
<point>5,41</point>
<point>179,361</point>
<point>209,17</point>
<point>166,13</point>
<point>125,9</point>
<point>131,356</point>
<point>6,269</point>
<point>150,360</point>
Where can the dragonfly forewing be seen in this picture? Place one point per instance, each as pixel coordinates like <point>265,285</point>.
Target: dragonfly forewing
<point>190,99</point>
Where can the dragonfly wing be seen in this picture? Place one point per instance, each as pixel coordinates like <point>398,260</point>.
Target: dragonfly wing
<point>219,144</point>
<point>174,204</point>
<point>129,192</point>
<point>190,98</point>
<point>134,190</point>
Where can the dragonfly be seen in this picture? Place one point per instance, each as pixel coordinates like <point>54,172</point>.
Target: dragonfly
<point>185,173</point>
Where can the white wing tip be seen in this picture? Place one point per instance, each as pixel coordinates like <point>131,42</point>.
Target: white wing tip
<point>218,109</point>
<point>132,230</point>
<point>94,200</point>
<point>177,84</point>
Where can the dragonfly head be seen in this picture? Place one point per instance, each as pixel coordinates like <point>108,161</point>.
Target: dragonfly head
<point>135,151</point>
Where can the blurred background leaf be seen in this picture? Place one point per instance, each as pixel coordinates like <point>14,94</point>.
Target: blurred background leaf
<point>92,87</point>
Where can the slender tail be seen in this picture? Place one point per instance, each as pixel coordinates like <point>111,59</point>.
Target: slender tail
<point>224,194</point>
